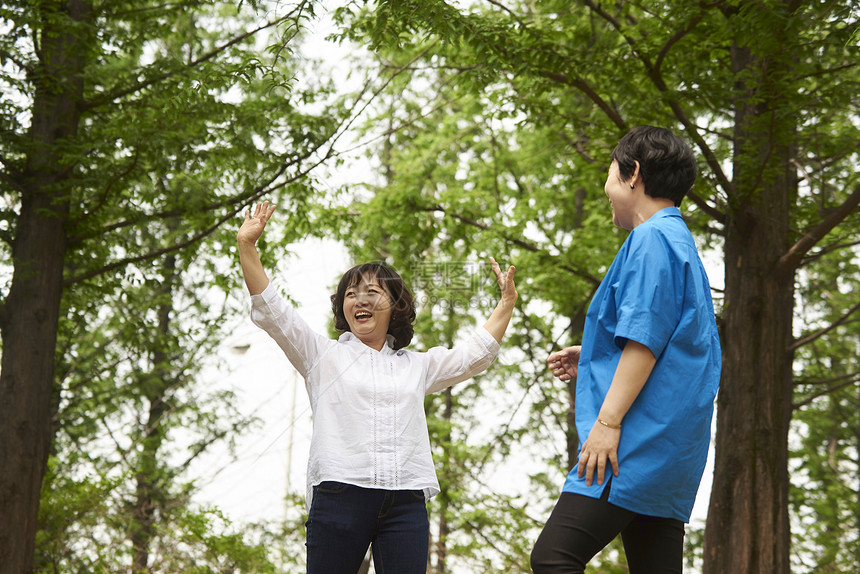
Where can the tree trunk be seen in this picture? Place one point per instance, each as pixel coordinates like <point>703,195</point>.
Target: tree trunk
<point>155,391</point>
<point>748,526</point>
<point>30,314</point>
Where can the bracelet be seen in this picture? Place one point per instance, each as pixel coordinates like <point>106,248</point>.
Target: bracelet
<point>606,424</point>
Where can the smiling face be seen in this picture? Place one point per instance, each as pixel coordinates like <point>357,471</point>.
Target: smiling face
<point>621,197</point>
<point>367,310</point>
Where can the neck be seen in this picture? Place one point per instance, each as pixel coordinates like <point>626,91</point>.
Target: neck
<point>376,344</point>
<point>648,207</point>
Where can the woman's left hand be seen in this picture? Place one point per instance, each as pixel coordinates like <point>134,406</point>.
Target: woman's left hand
<point>505,281</point>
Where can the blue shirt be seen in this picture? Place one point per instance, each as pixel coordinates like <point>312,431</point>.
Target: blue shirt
<point>656,293</point>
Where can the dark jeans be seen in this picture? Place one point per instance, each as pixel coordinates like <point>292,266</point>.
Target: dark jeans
<point>580,527</point>
<point>345,519</point>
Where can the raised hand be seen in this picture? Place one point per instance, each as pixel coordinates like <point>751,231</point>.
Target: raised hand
<point>253,225</point>
<point>505,281</point>
<point>497,324</point>
<point>247,236</point>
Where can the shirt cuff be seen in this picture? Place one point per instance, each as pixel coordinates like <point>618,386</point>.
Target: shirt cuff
<point>269,294</point>
<point>487,340</point>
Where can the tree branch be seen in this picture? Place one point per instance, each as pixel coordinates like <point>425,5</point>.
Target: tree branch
<point>827,380</point>
<point>677,37</point>
<point>657,79</point>
<point>106,192</point>
<point>21,64</point>
<point>792,258</point>
<point>10,175</point>
<point>192,240</point>
<point>810,338</point>
<point>581,85</point>
<point>240,198</point>
<point>512,14</point>
<point>110,97</point>
<point>715,213</point>
<point>515,241</point>
<point>829,249</point>
<point>826,391</point>
<point>255,192</point>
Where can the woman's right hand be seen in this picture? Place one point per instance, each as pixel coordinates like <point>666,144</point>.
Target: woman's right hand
<point>252,227</point>
<point>565,363</point>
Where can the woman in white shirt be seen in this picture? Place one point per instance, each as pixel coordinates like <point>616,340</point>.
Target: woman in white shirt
<point>370,469</point>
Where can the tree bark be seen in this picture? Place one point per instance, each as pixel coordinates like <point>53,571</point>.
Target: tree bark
<point>747,529</point>
<point>30,314</point>
<point>149,488</point>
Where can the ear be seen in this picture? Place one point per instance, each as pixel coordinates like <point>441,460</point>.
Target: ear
<point>635,175</point>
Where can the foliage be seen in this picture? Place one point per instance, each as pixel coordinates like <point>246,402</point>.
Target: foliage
<point>826,446</point>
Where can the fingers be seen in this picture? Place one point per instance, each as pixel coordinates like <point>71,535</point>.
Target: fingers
<point>588,464</point>
<point>509,274</point>
<point>601,471</point>
<point>598,454</point>
<point>561,365</point>
<point>263,211</point>
<point>561,354</point>
<point>510,287</point>
<point>583,465</point>
<point>497,270</point>
<point>560,372</point>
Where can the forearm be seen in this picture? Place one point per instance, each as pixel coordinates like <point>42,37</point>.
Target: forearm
<point>497,324</point>
<point>635,366</point>
<point>252,268</point>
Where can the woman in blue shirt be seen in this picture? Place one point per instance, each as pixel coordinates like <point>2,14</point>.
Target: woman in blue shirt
<point>646,375</point>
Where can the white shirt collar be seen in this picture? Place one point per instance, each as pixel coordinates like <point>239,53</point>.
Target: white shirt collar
<point>387,348</point>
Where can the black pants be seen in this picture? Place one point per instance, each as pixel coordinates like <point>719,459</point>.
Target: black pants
<point>345,519</point>
<point>580,527</point>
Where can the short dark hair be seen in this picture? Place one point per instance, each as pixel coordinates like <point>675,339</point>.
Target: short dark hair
<point>403,304</point>
<point>666,162</point>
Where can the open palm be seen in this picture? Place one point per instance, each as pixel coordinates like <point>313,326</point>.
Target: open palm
<point>253,225</point>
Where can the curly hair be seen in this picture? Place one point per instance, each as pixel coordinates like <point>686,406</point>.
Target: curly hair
<point>403,303</point>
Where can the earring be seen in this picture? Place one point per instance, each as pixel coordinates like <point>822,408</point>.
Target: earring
<point>632,185</point>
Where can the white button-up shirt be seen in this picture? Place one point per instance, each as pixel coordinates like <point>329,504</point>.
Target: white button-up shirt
<point>369,427</point>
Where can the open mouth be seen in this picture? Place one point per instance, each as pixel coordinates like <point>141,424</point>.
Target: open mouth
<point>363,315</point>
